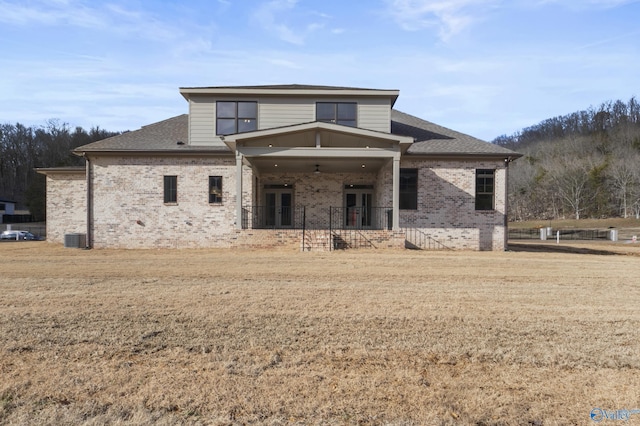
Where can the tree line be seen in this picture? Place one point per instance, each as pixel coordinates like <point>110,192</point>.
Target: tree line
<point>24,148</point>
<point>581,165</point>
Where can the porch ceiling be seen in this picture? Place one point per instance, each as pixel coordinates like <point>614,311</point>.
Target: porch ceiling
<point>308,165</point>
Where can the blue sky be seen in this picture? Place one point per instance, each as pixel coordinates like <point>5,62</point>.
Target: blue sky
<point>483,67</point>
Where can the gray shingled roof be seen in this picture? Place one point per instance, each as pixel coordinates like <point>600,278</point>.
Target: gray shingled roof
<point>283,87</point>
<point>433,139</point>
<point>161,136</point>
<point>430,139</point>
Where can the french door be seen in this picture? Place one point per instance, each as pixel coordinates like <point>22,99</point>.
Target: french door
<point>358,208</point>
<point>278,208</point>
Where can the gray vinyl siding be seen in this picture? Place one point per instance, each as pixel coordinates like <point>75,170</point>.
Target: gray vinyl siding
<point>277,112</point>
<point>373,114</point>
<point>202,122</point>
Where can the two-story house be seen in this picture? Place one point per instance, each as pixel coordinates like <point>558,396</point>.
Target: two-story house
<point>311,167</point>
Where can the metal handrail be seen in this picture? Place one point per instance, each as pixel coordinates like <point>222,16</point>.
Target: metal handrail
<point>271,217</point>
<point>419,239</point>
<point>374,218</point>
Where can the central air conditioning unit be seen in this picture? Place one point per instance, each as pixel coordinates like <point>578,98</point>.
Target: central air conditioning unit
<point>75,240</point>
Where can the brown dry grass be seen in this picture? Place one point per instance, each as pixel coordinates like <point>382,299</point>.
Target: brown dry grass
<point>277,337</point>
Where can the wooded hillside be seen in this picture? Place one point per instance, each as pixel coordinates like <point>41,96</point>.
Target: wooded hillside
<point>584,164</point>
<point>23,148</point>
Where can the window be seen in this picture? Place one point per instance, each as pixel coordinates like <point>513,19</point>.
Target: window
<point>215,189</point>
<point>236,117</point>
<point>171,189</point>
<point>337,112</point>
<point>484,189</point>
<point>409,189</point>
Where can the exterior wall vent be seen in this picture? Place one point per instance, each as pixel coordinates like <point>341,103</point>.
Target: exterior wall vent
<point>75,240</point>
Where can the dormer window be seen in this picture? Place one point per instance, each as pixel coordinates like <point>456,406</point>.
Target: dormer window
<point>236,117</point>
<point>344,113</point>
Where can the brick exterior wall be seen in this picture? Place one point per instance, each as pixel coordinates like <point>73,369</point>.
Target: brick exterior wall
<point>129,209</point>
<point>446,204</point>
<point>66,205</point>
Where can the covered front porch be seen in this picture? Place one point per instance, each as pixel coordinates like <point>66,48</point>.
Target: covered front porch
<point>318,176</point>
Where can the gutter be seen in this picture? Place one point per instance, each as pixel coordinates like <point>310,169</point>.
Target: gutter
<point>510,156</point>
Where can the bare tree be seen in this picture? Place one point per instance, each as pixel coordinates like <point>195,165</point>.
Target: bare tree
<point>635,192</point>
<point>570,180</point>
<point>624,179</point>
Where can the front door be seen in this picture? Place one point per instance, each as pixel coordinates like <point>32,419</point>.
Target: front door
<point>358,208</point>
<point>278,208</point>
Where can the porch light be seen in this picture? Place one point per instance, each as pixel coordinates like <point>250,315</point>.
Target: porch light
<point>270,145</point>
<point>362,166</point>
<point>317,169</point>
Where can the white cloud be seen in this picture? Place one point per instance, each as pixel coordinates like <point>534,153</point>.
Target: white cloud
<point>274,16</point>
<point>111,18</point>
<point>49,13</point>
<point>451,17</point>
<point>605,4</point>
<point>267,16</point>
<point>448,17</point>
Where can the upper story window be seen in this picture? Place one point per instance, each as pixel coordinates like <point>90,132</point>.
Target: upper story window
<point>485,189</point>
<point>236,117</point>
<point>344,113</point>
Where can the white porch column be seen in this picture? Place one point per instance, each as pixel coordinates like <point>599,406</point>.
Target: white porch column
<point>239,158</point>
<point>396,192</point>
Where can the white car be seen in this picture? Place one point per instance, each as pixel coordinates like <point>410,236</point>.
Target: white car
<point>17,235</point>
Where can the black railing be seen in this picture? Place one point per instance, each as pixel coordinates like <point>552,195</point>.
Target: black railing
<point>331,218</point>
<point>342,239</point>
<point>565,234</point>
<point>271,217</point>
<point>375,218</point>
<point>419,240</point>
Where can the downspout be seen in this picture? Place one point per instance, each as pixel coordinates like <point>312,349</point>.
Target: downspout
<point>88,239</point>
<point>506,203</point>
